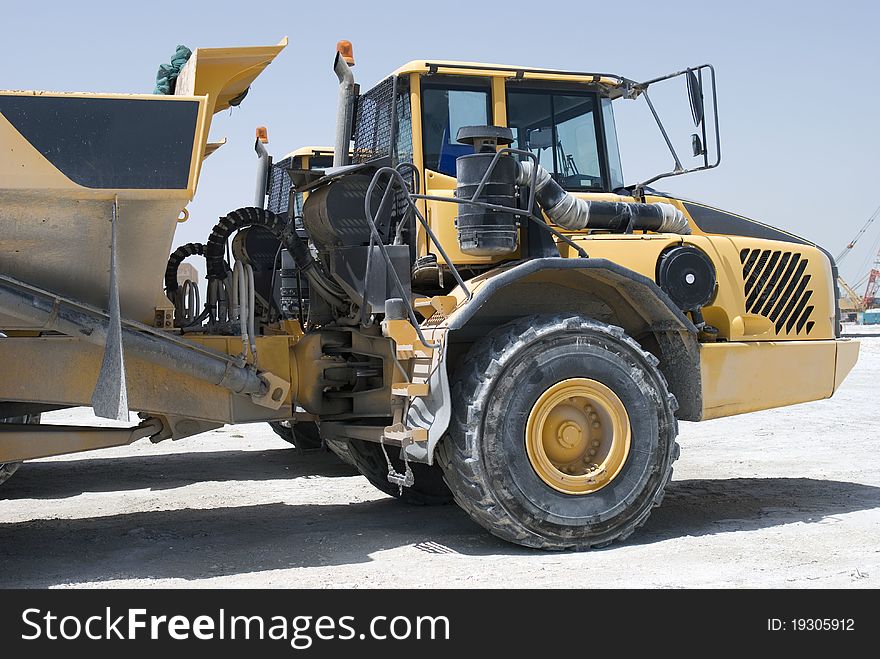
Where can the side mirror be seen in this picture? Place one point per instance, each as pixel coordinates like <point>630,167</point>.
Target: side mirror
<point>695,94</point>
<point>702,141</point>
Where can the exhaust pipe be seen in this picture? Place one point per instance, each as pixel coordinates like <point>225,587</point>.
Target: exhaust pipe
<point>574,213</point>
<point>345,102</point>
<point>264,162</point>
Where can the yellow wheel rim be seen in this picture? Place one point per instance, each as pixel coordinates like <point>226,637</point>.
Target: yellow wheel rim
<point>578,436</point>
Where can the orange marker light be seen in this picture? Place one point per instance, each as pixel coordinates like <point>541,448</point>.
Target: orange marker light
<point>263,134</point>
<point>345,49</point>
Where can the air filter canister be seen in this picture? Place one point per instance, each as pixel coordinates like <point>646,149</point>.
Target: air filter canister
<point>481,231</point>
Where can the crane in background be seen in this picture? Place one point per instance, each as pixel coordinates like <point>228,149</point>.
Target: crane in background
<point>851,303</point>
<point>870,300</point>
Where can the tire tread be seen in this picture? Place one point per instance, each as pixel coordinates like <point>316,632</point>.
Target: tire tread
<point>471,387</point>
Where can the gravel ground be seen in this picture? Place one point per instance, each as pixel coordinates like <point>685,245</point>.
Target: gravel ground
<point>787,498</point>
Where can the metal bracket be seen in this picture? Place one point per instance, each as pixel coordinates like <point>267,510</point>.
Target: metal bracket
<point>275,395</point>
<point>110,398</point>
<point>30,441</point>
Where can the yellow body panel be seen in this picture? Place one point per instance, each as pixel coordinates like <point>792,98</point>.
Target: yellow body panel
<point>222,74</point>
<point>847,356</point>
<point>273,354</point>
<point>747,377</point>
<point>728,309</point>
<point>63,370</point>
<point>415,100</point>
<point>441,218</point>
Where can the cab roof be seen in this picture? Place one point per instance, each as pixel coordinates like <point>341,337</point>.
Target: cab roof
<point>614,84</point>
<point>310,151</point>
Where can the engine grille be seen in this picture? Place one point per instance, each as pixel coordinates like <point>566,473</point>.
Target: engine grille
<point>375,120</point>
<point>776,287</point>
<point>279,187</point>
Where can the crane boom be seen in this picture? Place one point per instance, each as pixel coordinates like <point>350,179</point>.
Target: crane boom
<point>852,243</point>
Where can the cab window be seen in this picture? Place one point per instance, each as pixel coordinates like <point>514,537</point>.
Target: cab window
<point>561,129</point>
<point>446,107</point>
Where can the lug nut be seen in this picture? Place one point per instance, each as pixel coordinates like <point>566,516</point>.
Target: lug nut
<point>595,444</point>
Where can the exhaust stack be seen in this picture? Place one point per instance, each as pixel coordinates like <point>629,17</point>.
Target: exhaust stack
<point>345,103</point>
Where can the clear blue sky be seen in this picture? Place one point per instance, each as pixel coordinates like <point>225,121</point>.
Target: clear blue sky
<point>797,83</point>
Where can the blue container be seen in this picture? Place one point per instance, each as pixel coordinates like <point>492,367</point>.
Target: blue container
<point>871,317</point>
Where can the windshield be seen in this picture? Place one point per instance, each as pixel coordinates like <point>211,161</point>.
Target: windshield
<point>615,170</point>
<point>561,130</point>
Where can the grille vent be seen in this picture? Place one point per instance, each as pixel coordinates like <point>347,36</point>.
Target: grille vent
<point>776,287</point>
<point>279,187</point>
<point>383,123</point>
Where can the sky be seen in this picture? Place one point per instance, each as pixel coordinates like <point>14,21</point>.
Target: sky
<point>798,89</point>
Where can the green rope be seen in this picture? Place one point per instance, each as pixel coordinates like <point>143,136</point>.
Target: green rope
<point>166,78</point>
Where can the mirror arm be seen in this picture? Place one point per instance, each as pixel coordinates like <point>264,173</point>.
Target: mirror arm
<point>642,88</point>
<point>660,125</point>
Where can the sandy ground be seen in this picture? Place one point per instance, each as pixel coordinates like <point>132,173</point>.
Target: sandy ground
<point>783,498</point>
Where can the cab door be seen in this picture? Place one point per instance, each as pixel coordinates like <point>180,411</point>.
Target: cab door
<point>447,104</point>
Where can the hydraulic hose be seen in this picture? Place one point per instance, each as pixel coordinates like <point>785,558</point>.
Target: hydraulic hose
<point>575,213</point>
<point>177,257</point>
<point>242,306</point>
<point>285,232</point>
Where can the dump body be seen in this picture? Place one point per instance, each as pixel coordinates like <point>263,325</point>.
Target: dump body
<point>73,163</point>
<point>68,157</point>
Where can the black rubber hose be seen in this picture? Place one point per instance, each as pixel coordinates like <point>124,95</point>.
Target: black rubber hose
<point>576,213</point>
<point>177,257</point>
<point>611,215</point>
<point>284,231</point>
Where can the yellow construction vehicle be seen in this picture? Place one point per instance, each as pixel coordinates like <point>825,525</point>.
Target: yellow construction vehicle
<point>852,305</point>
<point>474,299</point>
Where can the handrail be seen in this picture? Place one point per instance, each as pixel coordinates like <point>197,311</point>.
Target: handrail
<point>509,209</point>
<point>396,180</point>
<point>395,177</point>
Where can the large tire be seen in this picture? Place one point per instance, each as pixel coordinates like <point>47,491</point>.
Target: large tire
<point>487,456</point>
<point>9,468</point>
<point>429,488</point>
<point>342,450</point>
<point>303,435</point>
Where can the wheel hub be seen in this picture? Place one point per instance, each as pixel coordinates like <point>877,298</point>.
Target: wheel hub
<point>569,434</point>
<point>578,436</point>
